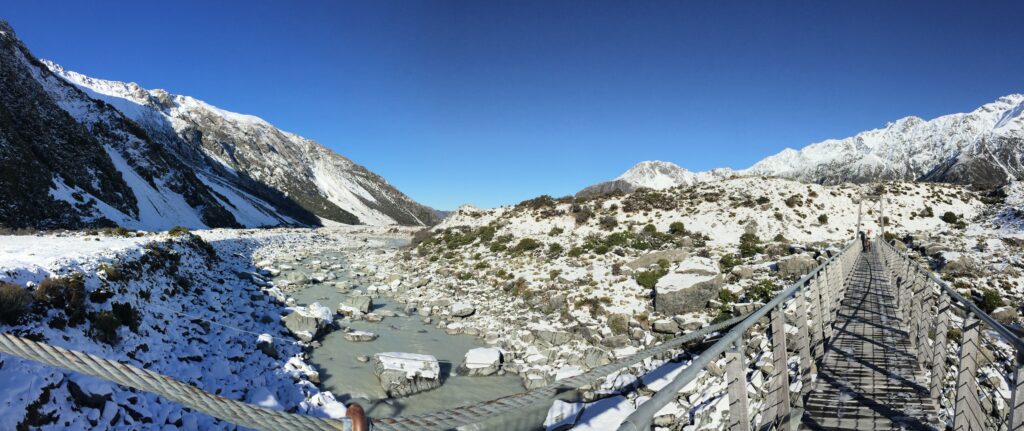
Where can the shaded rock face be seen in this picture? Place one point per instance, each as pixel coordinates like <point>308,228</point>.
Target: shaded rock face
<point>404,374</point>
<point>796,265</point>
<point>962,266</point>
<point>54,137</point>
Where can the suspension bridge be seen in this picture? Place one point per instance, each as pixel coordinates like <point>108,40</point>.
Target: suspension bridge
<point>869,340</point>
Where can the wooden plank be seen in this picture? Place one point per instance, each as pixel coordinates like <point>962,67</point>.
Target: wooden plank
<point>967,410</point>
<point>869,377</point>
<point>778,396</point>
<point>939,351</point>
<point>803,339</point>
<point>736,375</point>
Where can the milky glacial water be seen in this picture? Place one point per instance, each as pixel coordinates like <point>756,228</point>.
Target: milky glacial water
<point>351,380</point>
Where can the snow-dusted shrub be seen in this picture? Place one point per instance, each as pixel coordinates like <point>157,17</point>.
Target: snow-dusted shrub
<point>525,244</point>
<point>608,222</point>
<point>64,293</point>
<point>14,302</point>
<point>104,327</point>
<point>750,245</point>
<point>178,231</point>
<point>677,228</point>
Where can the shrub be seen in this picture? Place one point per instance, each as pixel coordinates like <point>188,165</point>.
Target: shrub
<point>555,231</point>
<point>780,238</point>
<point>525,244</point>
<point>64,293</point>
<point>618,324</point>
<point>539,202</point>
<point>677,228</point>
<point>794,201</point>
<point>584,215</point>
<point>14,301</point>
<point>554,273</point>
<point>104,327</point>
<point>727,297</point>
<point>949,217</point>
<point>178,231</point>
<point>111,271</point>
<point>608,222</point>
<point>645,199</point>
<point>650,229</point>
<point>576,251</point>
<point>729,261</point>
<point>990,300</point>
<point>126,314</point>
<point>763,291</point>
<point>750,245</point>
<point>823,219</point>
<point>649,279</point>
<point>555,249</point>
<point>927,212</point>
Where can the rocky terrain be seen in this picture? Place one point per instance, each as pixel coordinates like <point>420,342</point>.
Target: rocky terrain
<point>82,152</point>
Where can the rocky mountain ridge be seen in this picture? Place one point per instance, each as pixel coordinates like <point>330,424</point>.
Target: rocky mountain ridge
<point>983,148</point>
<point>80,151</point>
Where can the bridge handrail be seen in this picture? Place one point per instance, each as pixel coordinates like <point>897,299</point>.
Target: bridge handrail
<point>642,418</point>
<point>960,301</point>
<point>917,301</point>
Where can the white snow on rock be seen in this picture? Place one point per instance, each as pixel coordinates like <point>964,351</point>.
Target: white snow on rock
<point>413,364</point>
<point>483,357</point>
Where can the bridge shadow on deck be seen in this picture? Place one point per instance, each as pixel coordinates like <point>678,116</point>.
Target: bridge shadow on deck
<point>869,378</point>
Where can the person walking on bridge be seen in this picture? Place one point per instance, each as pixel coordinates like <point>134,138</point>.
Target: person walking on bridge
<point>867,241</point>
<point>863,241</point>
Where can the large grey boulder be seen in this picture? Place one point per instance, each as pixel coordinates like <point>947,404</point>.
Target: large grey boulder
<point>481,361</point>
<point>1005,315</point>
<point>642,262</point>
<point>403,374</point>
<point>462,309</point>
<point>688,288</point>
<point>595,357</point>
<point>363,303</point>
<point>307,323</point>
<point>796,265</point>
<point>665,326</point>
<point>296,277</point>
<point>960,266</point>
<point>551,336</point>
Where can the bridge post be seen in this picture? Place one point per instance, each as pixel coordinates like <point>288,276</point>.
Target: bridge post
<point>779,380</point>
<point>914,312</point>
<point>1016,422</point>
<point>817,337</point>
<point>924,349</point>
<point>804,340</point>
<point>966,405</point>
<point>736,375</point>
<point>939,350</point>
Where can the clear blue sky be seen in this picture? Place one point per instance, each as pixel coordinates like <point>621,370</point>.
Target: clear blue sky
<point>493,102</point>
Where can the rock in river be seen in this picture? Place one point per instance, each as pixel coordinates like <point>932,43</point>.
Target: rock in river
<point>363,303</point>
<point>307,323</point>
<point>403,374</point>
<point>360,336</point>
<point>482,361</point>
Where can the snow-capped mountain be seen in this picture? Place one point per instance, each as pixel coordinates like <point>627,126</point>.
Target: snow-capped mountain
<point>654,175</point>
<point>150,159</point>
<point>983,148</point>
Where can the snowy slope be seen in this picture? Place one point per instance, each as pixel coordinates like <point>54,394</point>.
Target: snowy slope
<point>982,148</point>
<point>655,175</point>
<point>231,146</point>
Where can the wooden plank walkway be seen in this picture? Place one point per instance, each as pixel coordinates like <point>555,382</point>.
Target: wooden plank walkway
<point>869,378</point>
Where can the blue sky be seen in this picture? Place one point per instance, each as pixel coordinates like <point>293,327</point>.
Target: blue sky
<point>490,102</point>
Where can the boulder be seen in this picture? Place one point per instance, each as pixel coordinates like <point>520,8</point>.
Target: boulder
<point>363,303</point>
<point>796,265</point>
<point>403,374</point>
<point>744,308</point>
<point>960,266</point>
<point>665,326</point>
<point>296,277</point>
<point>462,309</point>
<point>482,361</point>
<point>595,357</point>
<point>678,293</point>
<point>550,335</point>
<point>308,323</point>
<point>1005,315</point>
<point>697,265</point>
<point>265,344</point>
<point>642,262</point>
<point>360,336</point>
<point>743,272</point>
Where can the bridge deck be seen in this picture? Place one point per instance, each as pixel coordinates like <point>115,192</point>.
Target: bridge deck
<point>869,378</point>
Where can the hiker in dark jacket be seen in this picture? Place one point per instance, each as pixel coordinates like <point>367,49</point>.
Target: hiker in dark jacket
<point>863,241</point>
